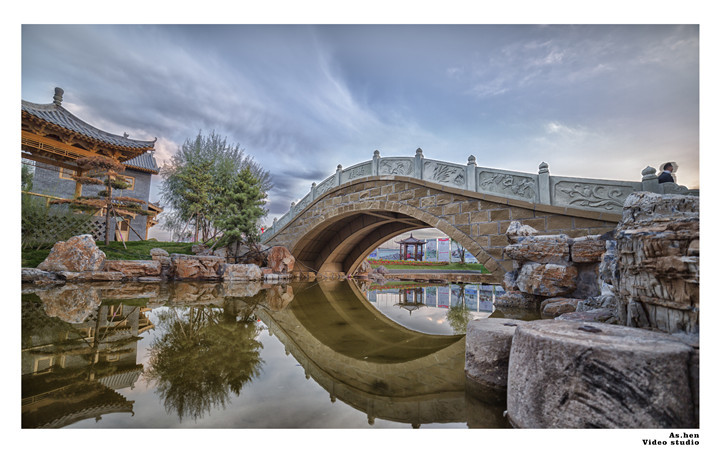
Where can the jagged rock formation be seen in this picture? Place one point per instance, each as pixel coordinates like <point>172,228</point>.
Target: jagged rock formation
<point>657,280</point>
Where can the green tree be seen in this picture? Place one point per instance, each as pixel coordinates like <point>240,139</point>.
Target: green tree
<point>115,206</point>
<point>242,202</point>
<point>198,180</point>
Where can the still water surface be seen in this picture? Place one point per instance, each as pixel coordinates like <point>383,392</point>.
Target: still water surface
<point>333,354</point>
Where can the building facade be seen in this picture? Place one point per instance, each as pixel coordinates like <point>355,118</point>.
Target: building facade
<point>53,139</point>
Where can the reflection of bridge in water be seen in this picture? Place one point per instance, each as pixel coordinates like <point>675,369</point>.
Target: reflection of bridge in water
<point>353,351</point>
<point>369,362</point>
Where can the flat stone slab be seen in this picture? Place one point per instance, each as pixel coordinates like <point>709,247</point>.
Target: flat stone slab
<point>91,276</point>
<point>565,374</point>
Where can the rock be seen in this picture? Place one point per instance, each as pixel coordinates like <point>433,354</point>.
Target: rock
<point>186,266</point>
<point>92,276</point>
<point>363,270</point>
<point>242,272</point>
<point>517,299</point>
<point>564,374</point>
<point>34,275</point>
<point>70,303</point>
<point>592,315</point>
<point>509,282</point>
<point>587,281</point>
<point>548,280</point>
<point>517,232</point>
<point>658,262</point>
<point>381,269</point>
<point>77,254</point>
<point>608,270</point>
<point>280,260</point>
<point>201,250</point>
<point>601,301</point>
<point>158,253</point>
<point>278,297</point>
<point>543,249</point>
<point>553,307</point>
<point>487,352</point>
<point>134,269</point>
<point>150,279</point>
<point>587,249</point>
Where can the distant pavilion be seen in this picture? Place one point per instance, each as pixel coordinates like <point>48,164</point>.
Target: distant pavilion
<point>417,248</point>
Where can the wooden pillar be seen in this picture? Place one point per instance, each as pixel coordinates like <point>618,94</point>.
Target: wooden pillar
<point>78,185</point>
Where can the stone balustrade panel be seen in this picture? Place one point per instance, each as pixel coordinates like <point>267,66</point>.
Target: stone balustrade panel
<point>507,183</point>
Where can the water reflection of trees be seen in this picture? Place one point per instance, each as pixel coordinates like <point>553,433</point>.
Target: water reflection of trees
<point>459,313</point>
<point>202,358</point>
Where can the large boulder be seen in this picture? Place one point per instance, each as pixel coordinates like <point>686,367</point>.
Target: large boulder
<point>134,269</point>
<point>565,374</point>
<point>587,249</point>
<point>185,267</point>
<point>77,254</point>
<point>543,249</point>
<point>487,352</point>
<point>548,280</point>
<point>280,260</point>
<point>658,262</point>
<point>241,272</point>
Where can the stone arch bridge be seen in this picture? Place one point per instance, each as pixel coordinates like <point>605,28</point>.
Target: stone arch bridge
<point>346,216</point>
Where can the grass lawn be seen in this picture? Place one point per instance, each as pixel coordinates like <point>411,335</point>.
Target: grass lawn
<point>447,267</point>
<point>115,251</point>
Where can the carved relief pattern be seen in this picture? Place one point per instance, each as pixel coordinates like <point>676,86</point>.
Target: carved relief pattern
<point>445,174</point>
<point>399,167</point>
<point>358,171</point>
<point>591,195</point>
<point>507,184</point>
<point>324,186</point>
<point>303,203</point>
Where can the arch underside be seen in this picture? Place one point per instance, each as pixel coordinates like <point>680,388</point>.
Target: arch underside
<point>342,243</point>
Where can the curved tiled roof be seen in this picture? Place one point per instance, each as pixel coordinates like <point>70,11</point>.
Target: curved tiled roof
<point>143,162</point>
<point>59,116</point>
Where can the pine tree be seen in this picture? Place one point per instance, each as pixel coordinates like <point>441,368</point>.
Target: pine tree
<point>241,207</point>
<point>120,206</point>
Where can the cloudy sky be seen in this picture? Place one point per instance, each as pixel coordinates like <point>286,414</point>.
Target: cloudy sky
<point>599,101</point>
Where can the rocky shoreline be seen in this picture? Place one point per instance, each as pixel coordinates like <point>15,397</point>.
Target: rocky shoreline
<point>620,344</point>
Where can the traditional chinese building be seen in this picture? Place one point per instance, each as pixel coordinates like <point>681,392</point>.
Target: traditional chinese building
<point>53,139</point>
<point>411,248</point>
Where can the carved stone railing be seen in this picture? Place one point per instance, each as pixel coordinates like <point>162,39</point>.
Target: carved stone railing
<point>598,195</point>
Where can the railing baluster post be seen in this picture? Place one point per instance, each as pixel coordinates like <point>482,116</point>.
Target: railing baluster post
<point>419,163</point>
<point>543,196</point>
<point>650,180</point>
<point>470,173</point>
<point>376,163</point>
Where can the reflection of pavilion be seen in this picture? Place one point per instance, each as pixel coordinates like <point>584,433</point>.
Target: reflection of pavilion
<point>411,299</point>
<point>70,372</point>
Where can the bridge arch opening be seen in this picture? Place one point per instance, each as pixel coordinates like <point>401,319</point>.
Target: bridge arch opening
<point>339,243</point>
